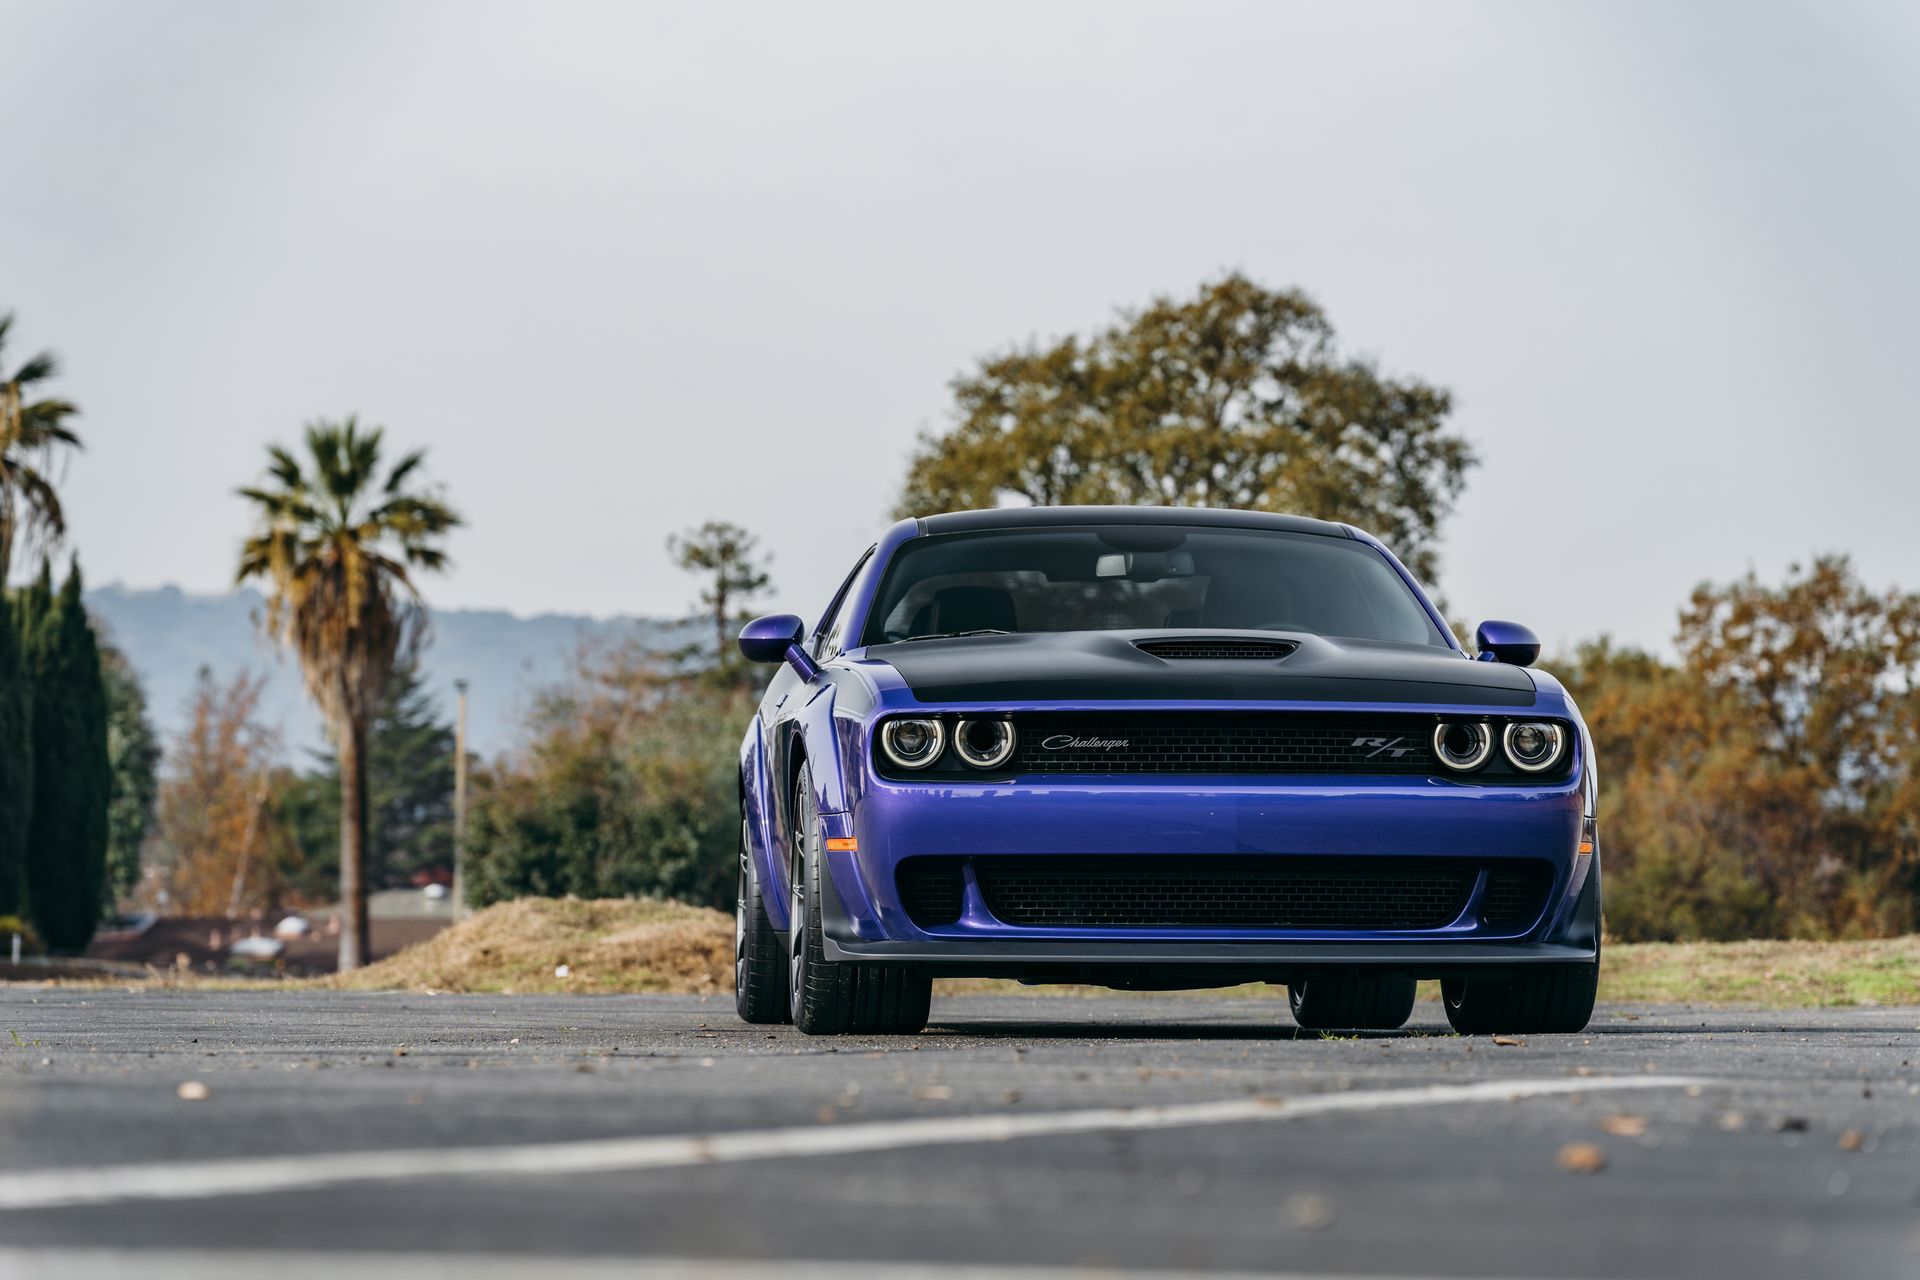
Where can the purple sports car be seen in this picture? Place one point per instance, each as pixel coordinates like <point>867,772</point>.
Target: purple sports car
<point>1159,748</point>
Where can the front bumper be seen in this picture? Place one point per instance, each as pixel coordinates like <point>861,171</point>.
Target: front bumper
<point>1573,937</point>
<point>1341,818</point>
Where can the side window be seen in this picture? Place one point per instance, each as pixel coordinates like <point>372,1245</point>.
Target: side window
<point>829,636</point>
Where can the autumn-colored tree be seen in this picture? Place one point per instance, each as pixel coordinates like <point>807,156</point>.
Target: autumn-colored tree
<point>1766,785</point>
<point>1235,397</point>
<point>221,848</point>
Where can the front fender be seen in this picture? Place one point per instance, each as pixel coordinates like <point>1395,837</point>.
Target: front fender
<point>813,733</point>
<point>760,807</point>
<point>801,733</point>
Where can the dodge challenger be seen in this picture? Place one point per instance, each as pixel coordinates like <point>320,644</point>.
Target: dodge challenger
<point>1159,749</point>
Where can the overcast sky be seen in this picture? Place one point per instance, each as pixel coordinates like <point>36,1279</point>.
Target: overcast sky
<point>625,268</point>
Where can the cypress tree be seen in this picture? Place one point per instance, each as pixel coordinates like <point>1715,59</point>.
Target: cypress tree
<point>16,765</point>
<point>72,778</point>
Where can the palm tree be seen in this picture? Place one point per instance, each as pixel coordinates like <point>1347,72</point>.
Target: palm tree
<point>29,433</point>
<point>336,547</point>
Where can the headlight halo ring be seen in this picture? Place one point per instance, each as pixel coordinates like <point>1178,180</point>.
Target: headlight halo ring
<point>1463,764</point>
<point>994,759</point>
<point>937,732</point>
<point>1554,731</point>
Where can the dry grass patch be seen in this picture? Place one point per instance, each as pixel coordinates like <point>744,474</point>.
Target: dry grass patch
<point>646,945</point>
<point>604,945</point>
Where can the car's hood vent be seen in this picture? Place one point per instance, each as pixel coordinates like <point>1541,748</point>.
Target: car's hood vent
<point>1218,648</point>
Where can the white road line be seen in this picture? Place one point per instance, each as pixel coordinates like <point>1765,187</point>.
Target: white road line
<point>206,1179</point>
<point>162,1264</point>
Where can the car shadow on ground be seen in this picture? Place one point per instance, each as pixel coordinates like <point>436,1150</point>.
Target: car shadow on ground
<point>1068,1029</point>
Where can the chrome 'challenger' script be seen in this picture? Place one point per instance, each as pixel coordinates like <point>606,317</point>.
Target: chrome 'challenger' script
<point>1383,746</point>
<point>1067,742</point>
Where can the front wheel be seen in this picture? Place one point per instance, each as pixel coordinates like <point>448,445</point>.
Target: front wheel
<point>1356,1001</point>
<point>1545,999</point>
<point>832,997</point>
<point>759,961</point>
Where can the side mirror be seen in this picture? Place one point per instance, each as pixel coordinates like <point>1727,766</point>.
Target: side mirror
<point>1506,642</point>
<point>776,638</point>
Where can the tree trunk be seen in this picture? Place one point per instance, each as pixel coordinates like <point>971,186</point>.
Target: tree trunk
<point>353,845</point>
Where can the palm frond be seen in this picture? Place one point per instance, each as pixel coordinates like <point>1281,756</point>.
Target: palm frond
<point>404,468</point>
<point>37,369</point>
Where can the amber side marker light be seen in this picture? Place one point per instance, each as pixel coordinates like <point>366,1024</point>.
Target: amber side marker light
<point>843,844</point>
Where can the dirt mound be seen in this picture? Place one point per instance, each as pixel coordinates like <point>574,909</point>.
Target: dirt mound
<point>565,944</point>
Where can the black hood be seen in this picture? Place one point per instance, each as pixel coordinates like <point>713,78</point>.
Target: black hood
<point>1085,666</point>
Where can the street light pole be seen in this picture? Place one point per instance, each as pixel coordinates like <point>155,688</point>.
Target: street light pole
<point>460,805</point>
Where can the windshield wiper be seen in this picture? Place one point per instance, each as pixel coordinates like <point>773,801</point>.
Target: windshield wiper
<point>955,635</point>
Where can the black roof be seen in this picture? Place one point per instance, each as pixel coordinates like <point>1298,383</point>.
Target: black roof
<point>1046,517</point>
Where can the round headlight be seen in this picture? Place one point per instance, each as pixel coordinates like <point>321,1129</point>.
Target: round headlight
<point>913,744</point>
<point>1534,745</point>
<point>1463,745</point>
<point>984,744</point>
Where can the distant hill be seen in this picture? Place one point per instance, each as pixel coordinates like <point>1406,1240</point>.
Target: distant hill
<point>169,635</point>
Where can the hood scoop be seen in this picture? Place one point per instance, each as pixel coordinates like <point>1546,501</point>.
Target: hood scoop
<point>1217,649</point>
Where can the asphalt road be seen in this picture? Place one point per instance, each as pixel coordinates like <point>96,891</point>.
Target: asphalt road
<point>638,1136</point>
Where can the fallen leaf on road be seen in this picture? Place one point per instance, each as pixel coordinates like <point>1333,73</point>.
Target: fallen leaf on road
<point>1583,1157</point>
<point>933,1093</point>
<point>1732,1121</point>
<point>1622,1125</point>
<point>192,1091</point>
<point>1310,1212</point>
<point>1852,1140</point>
<point>825,1115</point>
<point>1510,1041</point>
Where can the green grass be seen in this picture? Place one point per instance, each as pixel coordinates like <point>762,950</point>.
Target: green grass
<point>1772,975</point>
<point>1775,975</point>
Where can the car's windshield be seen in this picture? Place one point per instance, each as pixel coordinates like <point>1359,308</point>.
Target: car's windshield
<point>1143,577</point>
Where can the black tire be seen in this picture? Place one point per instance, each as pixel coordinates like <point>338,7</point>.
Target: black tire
<point>1352,1000</point>
<point>759,957</point>
<point>1547,999</point>
<point>826,997</point>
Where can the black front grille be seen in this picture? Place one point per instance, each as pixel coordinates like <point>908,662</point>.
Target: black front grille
<point>1249,892</point>
<point>1515,897</point>
<point>931,890</point>
<point>1230,744</point>
<point>1223,648</point>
